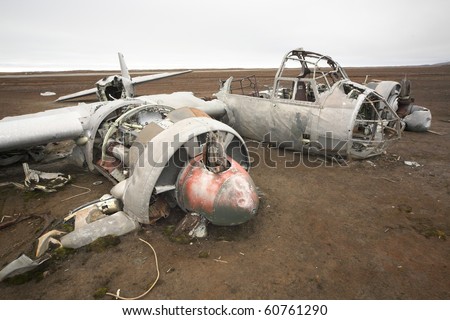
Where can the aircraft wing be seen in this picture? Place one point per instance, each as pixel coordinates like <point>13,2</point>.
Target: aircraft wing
<point>134,81</point>
<point>78,94</point>
<point>157,76</point>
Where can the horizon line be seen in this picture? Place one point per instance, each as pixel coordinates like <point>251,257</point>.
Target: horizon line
<point>20,70</point>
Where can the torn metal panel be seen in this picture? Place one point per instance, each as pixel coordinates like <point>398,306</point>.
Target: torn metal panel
<point>20,265</point>
<point>94,210</point>
<point>47,93</point>
<point>419,119</point>
<point>45,240</point>
<point>192,225</point>
<point>116,224</point>
<point>44,181</point>
<point>38,180</point>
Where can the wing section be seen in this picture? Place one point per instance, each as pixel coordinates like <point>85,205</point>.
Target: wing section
<point>134,81</point>
<point>77,94</point>
<point>157,76</point>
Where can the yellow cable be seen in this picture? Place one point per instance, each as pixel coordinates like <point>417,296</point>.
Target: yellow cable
<point>117,296</point>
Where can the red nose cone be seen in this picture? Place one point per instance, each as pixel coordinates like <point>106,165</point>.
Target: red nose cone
<point>224,198</point>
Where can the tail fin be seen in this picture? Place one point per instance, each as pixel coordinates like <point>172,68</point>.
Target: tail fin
<point>123,67</point>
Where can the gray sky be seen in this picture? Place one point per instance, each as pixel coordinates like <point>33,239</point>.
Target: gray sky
<point>165,34</point>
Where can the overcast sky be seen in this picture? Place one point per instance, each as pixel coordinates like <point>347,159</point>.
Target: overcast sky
<point>164,34</point>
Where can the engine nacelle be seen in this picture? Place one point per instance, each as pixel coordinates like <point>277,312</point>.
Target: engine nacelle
<point>114,87</point>
<point>227,198</point>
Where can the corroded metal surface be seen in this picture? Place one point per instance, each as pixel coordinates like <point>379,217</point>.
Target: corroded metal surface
<point>225,198</point>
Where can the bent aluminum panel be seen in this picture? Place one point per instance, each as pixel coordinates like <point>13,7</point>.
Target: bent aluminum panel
<point>116,224</point>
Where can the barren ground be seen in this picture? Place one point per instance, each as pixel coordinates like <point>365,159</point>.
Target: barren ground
<point>368,230</point>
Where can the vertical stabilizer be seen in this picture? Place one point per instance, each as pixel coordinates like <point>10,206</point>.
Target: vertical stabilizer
<point>123,67</point>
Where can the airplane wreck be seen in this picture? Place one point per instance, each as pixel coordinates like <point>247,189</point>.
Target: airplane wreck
<point>150,146</point>
<point>158,151</point>
<point>152,149</point>
<point>190,153</point>
<point>314,106</point>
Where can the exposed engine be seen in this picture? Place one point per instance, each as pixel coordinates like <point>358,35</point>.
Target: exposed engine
<point>202,176</point>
